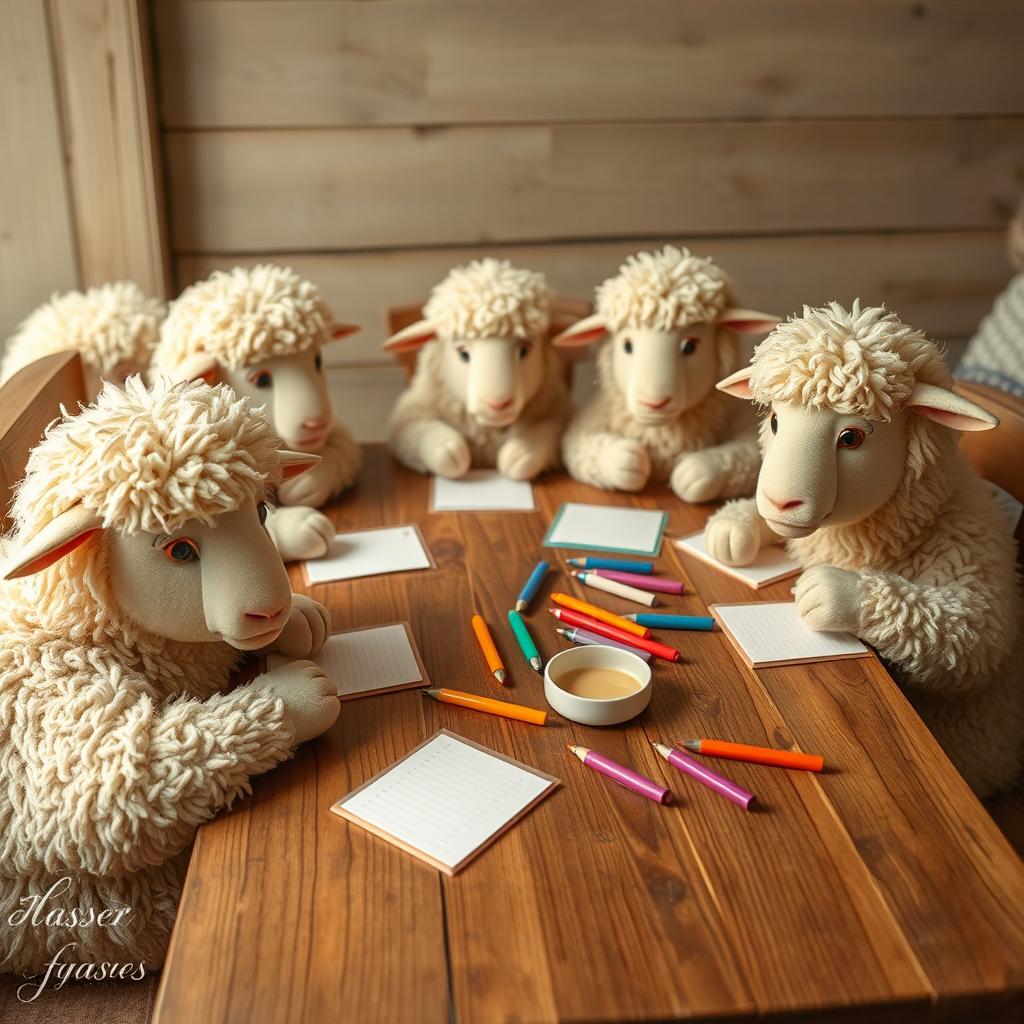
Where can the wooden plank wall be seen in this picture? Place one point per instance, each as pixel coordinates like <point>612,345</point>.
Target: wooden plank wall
<point>818,150</point>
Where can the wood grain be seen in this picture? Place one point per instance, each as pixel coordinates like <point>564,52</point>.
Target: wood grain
<point>941,282</point>
<point>879,890</point>
<point>245,64</point>
<point>260,191</point>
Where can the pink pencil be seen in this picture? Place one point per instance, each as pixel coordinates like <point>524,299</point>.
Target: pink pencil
<point>622,775</point>
<point>633,579</point>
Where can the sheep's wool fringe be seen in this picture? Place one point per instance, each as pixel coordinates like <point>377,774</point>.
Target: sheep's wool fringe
<point>664,291</point>
<point>244,316</point>
<point>150,459</point>
<point>490,298</point>
<point>107,325</point>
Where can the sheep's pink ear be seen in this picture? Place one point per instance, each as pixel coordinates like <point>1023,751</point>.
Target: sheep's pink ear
<point>339,331</point>
<point>738,384</point>
<point>58,538</point>
<point>748,321</point>
<point>583,332</point>
<point>949,409</point>
<point>294,463</point>
<point>411,338</point>
<point>199,366</point>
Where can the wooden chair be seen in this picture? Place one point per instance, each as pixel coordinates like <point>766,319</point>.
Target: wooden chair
<point>29,401</point>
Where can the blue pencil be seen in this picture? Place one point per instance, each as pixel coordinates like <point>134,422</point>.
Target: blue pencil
<point>532,585</point>
<point>647,568</point>
<point>656,621</point>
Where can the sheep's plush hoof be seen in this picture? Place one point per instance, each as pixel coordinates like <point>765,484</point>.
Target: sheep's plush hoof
<point>519,461</point>
<point>299,532</point>
<point>307,629</point>
<point>697,478</point>
<point>446,455</point>
<point>309,697</point>
<point>628,466</point>
<point>309,488</point>
<point>732,541</point>
<point>827,598</point>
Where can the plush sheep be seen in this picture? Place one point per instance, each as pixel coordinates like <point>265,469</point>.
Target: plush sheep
<point>903,545</point>
<point>114,328</point>
<point>139,570</point>
<point>488,388</point>
<point>672,326</point>
<point>262,330</point>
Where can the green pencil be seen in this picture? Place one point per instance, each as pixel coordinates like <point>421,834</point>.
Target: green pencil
<point>525,641</point>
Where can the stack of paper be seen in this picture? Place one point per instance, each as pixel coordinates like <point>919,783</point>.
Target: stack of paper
<point>370,553</point>
<point>773,563</point>
<point>632,531</point>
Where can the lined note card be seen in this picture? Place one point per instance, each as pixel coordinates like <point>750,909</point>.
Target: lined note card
<point>482,490</point>
<point>361,662</point>
<point>446,800</point>
<point>370,553</point>
<point>768,633</point>
<point>631,531</point>
<point>773,563</point>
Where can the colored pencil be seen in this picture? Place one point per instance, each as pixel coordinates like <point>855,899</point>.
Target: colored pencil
<point>534,716</point>
<point>656,621</point>
<point>601,614</point>
<point>719,783</point>
<point>658,584</point>
<point>490,652</point>
<point>622,775</point>
<point>525,641</point>
<point>532,585</point>
<point>634,594</point>
<point>612,563</point>
<point>571,618</point>
<point>755,755</point>
<point>582,637</point>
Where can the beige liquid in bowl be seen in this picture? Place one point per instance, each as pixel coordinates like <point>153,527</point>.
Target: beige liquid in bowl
<point>598,683</point>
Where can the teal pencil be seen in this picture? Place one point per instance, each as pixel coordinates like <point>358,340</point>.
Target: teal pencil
<point>525,641</point>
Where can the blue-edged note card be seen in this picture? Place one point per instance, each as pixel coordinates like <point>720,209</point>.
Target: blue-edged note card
<point>625,530</point>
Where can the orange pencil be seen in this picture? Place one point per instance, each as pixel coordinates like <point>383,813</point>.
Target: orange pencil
<point>600,614</point>
<point>486,642</point>
<point>755,755</point>
<point>491,707</point>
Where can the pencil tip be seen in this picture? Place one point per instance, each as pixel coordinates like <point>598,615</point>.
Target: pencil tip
<point>520,605</point>
<point>536,663</point>
<point>499,675</point>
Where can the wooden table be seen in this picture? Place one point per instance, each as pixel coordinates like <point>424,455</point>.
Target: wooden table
<point>878,891</point>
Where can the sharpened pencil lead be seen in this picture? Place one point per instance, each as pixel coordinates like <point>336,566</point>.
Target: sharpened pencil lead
<point>536,663</point>
<point>520,605</point>
<point>499,674</point>
<point>693,745</point>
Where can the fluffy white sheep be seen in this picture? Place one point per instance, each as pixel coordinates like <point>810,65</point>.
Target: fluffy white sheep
<point>114,327</point>
<point>902,543</point>
<point>488,388</point>
<point>138,572</point>
<point>262,331</point>
<point>672,324</point>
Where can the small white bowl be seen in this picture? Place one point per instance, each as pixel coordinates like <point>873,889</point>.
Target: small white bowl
<point>596,710</point>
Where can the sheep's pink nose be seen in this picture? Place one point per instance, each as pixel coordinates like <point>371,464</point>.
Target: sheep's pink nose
<point>265,613</point>
<point>501,405</point>
<point>658,404</point>
<point>785,506</point>
<point>318,424</point>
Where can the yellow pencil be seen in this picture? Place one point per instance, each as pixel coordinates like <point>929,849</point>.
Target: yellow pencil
<point>486,642</point>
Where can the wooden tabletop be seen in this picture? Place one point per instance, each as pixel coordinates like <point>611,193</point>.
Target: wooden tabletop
<point>879,890</point>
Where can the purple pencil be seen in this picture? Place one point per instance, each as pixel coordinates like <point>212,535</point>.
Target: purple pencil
<point>622,775</point>
<point>584,636</point>
<point>719,783</point>
<point>633,579</point>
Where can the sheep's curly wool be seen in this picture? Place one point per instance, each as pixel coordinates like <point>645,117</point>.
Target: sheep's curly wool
<point>243,316</point>
<point>116,743</point>
<point>490,298</point>
<point>664,291</point>
<point>108,325</point>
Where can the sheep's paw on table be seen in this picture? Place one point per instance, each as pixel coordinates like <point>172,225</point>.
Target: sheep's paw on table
<point>310,699</point>
<point>733,535</point>
<point>299,532</point>
<point>311,488</point>
<point>697,477</point>
<point>444,451</point>
<point>307,629</point>
<point>627,466</point>
<point>828,598</point>
<point>520,460</point>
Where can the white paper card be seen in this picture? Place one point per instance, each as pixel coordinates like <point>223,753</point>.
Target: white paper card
<point>446,799</point>
<point>607,528</point>
<point>773,563</point>
<point>482,490</point>
<point>366,660</point>
<point>773,633</point>
<point>369,553</point>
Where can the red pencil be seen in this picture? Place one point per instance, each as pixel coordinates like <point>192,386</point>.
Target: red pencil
<point>613,633</point>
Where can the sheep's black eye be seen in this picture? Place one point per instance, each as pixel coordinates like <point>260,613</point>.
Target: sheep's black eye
<point>627,347</point>
<point>850,437</point>
<point>774,423</point>
<point>524,350</point>
<point>463,354</point>
<point>319,361</point>
<point>261,378</point>
<point>688,346</point>
<point>262,511</point>
<point>182,550</point>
